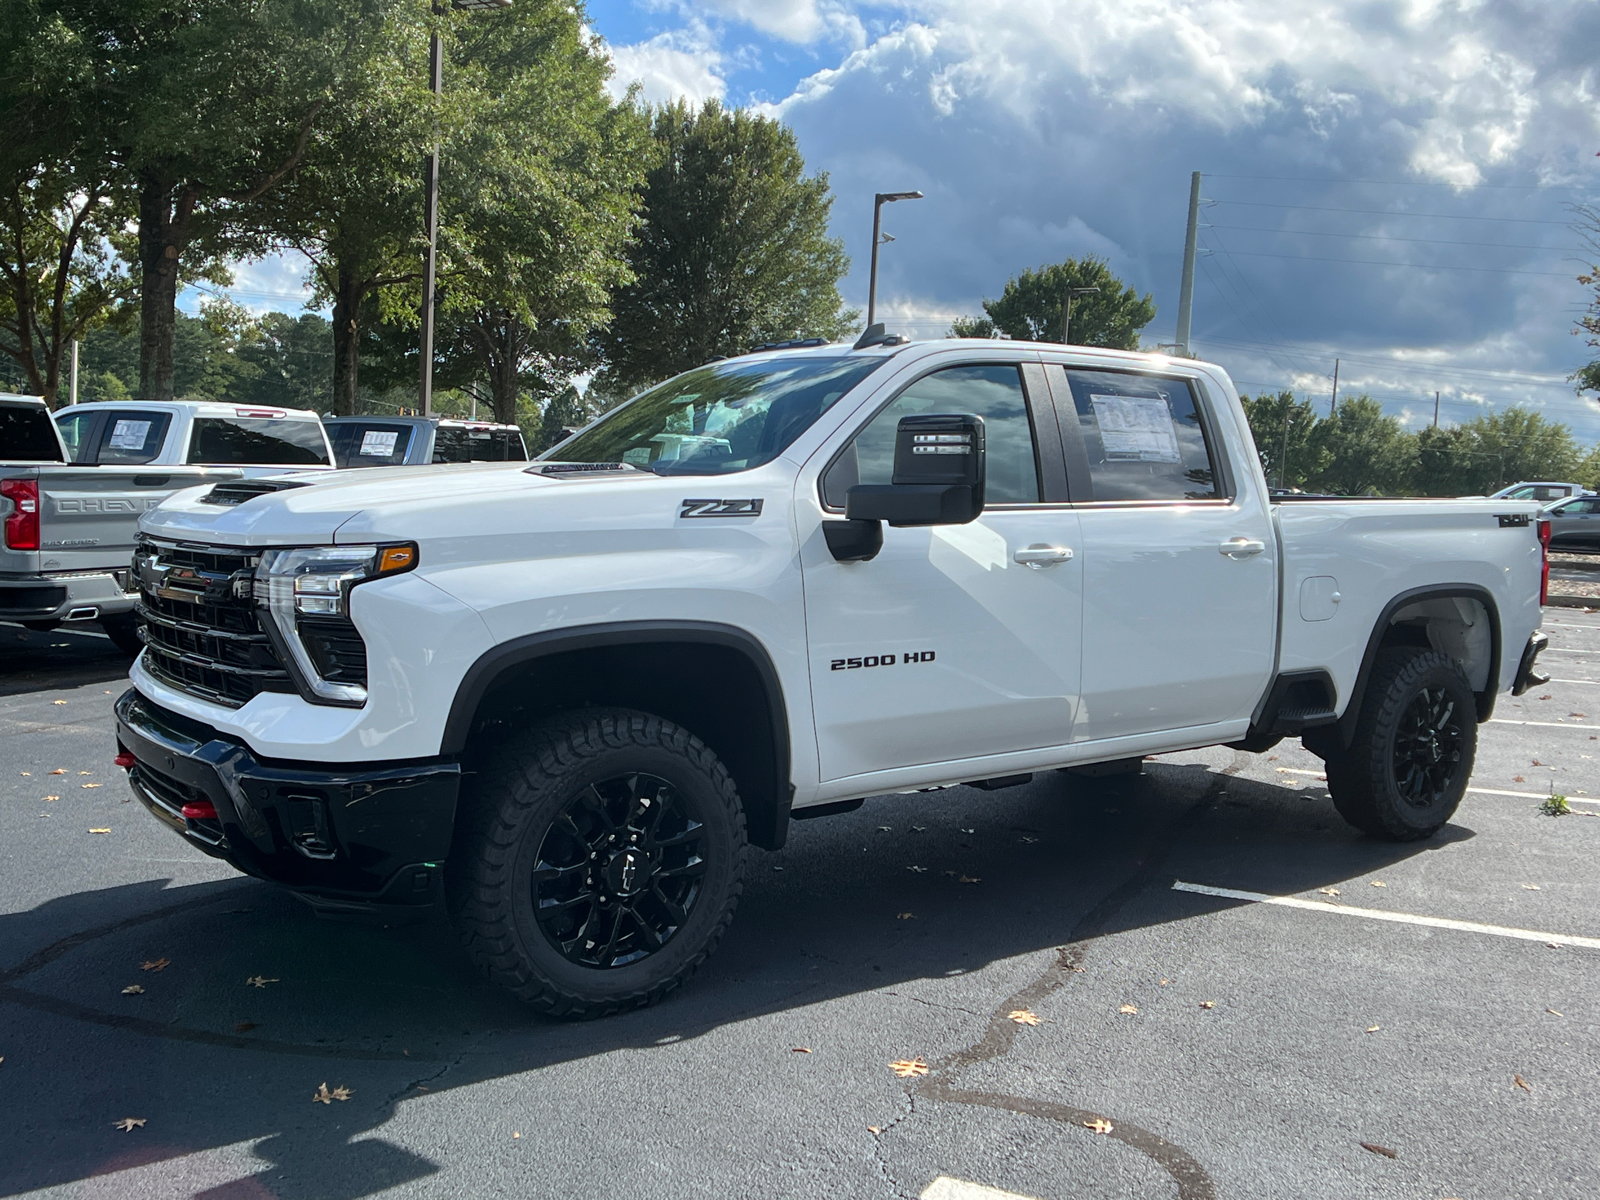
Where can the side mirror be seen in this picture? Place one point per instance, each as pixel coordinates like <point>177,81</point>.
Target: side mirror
<point>938,475</point>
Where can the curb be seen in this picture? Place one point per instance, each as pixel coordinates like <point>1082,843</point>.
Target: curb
<point>1572,602</point>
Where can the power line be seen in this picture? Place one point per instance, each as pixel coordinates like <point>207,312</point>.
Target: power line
<point>1537,187</point>
<point>1381,237</point>
<point>1424,368</point>
<point>1376,262</point>
<point>1388,212</point>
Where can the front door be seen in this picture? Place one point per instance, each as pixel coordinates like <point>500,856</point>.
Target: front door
<point>1180,581</point>
<point>955,641</point>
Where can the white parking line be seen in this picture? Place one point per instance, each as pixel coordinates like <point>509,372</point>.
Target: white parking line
<point>1483,791</point>
<point>1542,724</point>
<point>946,1188</point>
<point>1376,914</point>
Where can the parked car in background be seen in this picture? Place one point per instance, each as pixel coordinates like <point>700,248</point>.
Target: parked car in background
<point>1575,524</point>
<point>1543,491</point>
<point>259,441</point>
<point>70,511</point>
<point>418,441</point>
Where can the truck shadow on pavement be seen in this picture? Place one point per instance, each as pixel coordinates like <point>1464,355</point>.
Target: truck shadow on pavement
<point>35,661</point>
<point>248,1002</point>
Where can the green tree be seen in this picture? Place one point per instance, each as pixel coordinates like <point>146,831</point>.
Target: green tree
<point>1518,443</point>
<point>1030,308</point>
<point>1588,327</point>
<point>734,249</point>
<point>1285,432</point>
<point>1367,451</point>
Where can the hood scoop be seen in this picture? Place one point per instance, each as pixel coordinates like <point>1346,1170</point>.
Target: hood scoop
<point>230,495</point>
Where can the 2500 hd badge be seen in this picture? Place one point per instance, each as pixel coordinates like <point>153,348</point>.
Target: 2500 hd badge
<point>880,660</point>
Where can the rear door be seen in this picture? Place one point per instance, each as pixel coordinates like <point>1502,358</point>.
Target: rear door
<point>947,646</point>
<point>1575,525</point>
<point>1180,583</point>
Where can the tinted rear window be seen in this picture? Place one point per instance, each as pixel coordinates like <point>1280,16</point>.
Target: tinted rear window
<point>257,441</point>
<point>370,443</point>
<point>132,438</point>
<point>452,443</point>
<point>26,435</point>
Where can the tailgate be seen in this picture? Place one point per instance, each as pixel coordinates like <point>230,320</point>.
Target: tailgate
<point>89,516</point>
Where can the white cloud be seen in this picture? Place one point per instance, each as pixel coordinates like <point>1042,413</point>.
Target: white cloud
<point>802,21</point>
<point>671,66</point>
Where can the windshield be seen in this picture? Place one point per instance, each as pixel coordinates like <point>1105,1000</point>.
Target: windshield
<point>719,418</point>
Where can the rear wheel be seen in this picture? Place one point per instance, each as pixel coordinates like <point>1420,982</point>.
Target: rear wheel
<point>1407,767</point>
<point>123,629</point>
<point>601,862</point>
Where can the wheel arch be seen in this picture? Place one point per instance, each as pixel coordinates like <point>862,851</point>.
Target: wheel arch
<point>718,681</point>
<point>1386,631</point>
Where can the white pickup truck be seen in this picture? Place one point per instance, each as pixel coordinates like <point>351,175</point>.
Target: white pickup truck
<point>568,694</point>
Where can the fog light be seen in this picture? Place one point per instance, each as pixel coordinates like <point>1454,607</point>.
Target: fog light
<point>200,810</point>
<point>125,760</point>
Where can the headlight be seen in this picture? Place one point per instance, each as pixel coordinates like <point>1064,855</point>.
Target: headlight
<point>306,595</point>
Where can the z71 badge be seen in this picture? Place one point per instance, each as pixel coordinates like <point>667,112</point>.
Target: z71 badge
<point>720,508</point>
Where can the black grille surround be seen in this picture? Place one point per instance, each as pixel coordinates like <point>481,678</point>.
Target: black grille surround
<point>201,629</point>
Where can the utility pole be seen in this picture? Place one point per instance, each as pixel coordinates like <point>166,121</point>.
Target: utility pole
<point>1283,459</point>
<point>1066,309</point>
<point>1186,287</point>
<point>879,199</point>
<point>1436,410</point>
<point>430,220</point>
<point>74,370</point>
<point>1333,404</point>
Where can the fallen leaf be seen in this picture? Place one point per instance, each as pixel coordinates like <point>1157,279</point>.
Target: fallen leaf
<point>1536,763</point>
<point>905,916</point>
<point>1519,1081</point>
<point>1518,779</point>
<point>85,772</point>
<point>970,879</point>
<point>1023,1016</point>
<point>969,831</point>
<point>516,1135</point>
<point>48,798</point>
<point>1580,716</point>
<point>323,1096</point>
<point>1099,1125</point>
<point>90,785</point>
<point>127,1124</point>
<point>133,989</point>
<point>1546,696</point>
<point>907,1067</point>
<point>1128,1010</point>
<point>27,772</point>
<point>1377,1149</point>
<point>800,1049</point>
<point>883,829</point>
<point>99,831</point>
<point>259,981</point>
<point>918,829</point>
<point>159,964</point>
<point>1329,891</point>
<point>57,771</point>
<point>1530,887</point>
<point>952,874</point>
<point>1208,1004</point>
<point>1027,841</point>
<point>1379,883</point>
<point>1272,758</point>
<point>245,1026</point>
<point>1374,1028</point>
<point>58,702</point>
<point>918,870</point>
<point>874,1129</point>
<point>1554,1013</point>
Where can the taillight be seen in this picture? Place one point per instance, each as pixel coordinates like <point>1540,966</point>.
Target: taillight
<point>22,526</point>
<point>1544,555</point>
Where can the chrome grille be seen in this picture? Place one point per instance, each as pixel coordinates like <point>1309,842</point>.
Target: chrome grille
<point>199,620</point>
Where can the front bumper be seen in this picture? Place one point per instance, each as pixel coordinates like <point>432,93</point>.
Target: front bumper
<point>1526,678</point>
<point>345,838</point>
<point>65,596</point>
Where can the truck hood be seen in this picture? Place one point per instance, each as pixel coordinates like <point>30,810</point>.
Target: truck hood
<point>325,511</point>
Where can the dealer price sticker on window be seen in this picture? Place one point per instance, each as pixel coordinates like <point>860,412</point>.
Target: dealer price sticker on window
<point>129,435</point>
<point>1136,429</point>
<point>376,443</point>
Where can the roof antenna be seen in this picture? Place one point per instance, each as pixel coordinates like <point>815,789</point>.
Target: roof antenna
<point>875,336</point>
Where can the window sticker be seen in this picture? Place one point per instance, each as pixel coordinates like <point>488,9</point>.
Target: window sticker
<point>1136,429</point>
<point>129,435</point>
<point>376,443</point>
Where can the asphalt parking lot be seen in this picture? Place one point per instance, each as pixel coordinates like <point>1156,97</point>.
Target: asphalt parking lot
<point>1371,1039</point>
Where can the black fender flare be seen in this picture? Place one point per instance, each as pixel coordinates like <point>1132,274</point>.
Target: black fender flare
<point>1468,591</point>
<point>767,823</point>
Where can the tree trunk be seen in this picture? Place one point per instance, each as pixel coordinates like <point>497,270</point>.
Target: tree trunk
<point>504,378</point>
<point>347,296</point>
<point>164,214</point>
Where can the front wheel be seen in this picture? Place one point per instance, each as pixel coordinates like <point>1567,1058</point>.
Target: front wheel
<point>123,629</point>
<point>1408,764</point>
<point>600,863</point>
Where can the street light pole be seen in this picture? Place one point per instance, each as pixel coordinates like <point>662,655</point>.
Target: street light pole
<point>878,201</point>
<point>1066,309</point>
<point>430,216</point>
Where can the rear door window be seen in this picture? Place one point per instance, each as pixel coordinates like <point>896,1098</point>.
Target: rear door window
<point>370,444</point>
<point>26,435</point>
<point>77,431</point>
<point>257,441</point>
<point>132,438</point>
<point>1144,437</point>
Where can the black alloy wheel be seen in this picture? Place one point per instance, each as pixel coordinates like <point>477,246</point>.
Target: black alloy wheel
<point>1411,753</point>
<point>619,871</point>
<point>1427,747</point>
<point>597,862</point>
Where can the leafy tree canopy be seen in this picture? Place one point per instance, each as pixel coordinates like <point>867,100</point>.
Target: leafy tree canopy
<point>1030,308</point>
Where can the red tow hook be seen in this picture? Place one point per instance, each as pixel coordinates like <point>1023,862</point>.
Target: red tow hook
<point>125,760</point>
<point>200,810</point>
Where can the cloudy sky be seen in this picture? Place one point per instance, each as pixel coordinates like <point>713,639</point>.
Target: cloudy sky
<point>1387,182</point>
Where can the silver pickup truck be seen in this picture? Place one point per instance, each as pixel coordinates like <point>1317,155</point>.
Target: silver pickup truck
<point>72,491</point>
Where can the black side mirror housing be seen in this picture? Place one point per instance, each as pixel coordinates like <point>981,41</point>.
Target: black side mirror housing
<point>938,475</point>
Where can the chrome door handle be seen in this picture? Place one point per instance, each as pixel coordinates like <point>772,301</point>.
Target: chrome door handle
<point>1039,555</point>
<point>1241,547</point>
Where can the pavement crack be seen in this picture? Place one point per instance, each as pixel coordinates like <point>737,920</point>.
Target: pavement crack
<point>884,1169</point>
